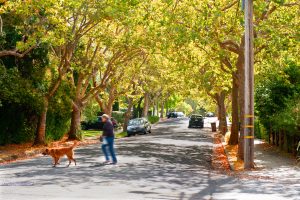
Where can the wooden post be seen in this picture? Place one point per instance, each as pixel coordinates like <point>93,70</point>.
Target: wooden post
<point>248,125</point>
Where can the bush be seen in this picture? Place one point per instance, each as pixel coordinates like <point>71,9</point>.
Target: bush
<point>17,123</point>
<point>119,116</point>
<point>59,115</point>
<point>19,107</point>
<point>259,130</point>
<point>91,111</point>
<point>153,119</point>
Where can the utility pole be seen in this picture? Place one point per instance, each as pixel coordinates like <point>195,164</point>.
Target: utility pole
<point>248,125</point>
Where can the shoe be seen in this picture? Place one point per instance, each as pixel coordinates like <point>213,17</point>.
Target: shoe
<point>113,163</point>
<point>107,162</point>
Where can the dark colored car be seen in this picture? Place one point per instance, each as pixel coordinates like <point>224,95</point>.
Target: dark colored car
<point>138,125</point>
<point>172,115</point>
<point>96,124</point>
<point>196,121</point>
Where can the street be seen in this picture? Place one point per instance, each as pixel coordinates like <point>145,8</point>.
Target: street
<point>173,162</point>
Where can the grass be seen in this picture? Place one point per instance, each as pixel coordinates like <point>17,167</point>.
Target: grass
<point>91,133</point>
<point>95,133</point>
<point>121,135</point>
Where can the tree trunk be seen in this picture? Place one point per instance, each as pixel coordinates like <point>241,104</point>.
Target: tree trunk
<point>127,114</point>
<point>41,128</point>
<point>75,122</point>
<point>285,144</point>
<point>107,109</point>
<point>162,108</point>
<point>277,138</point>
<point>240,80</point>
<point>146,105</point>
<point>280,139</point>
<point>157,108</point>
<point>152,110</point>
<point>139,110</point>
<point>222,112</point>
<point>167,109</point>
<point>234,135</point>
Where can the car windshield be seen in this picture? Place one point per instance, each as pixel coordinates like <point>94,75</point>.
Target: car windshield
<point>135,122</point>
<point>196,117</point>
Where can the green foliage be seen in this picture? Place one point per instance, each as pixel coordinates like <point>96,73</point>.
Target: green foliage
<point>21,89</point>
<point>119,116</point>
<point>277,100</point>
<point>58,117</point>
<point>90,111</point>
<point>173,101</point>
<point>17,123</point>
<point>259,131</point>
<point>185,108</point>
<point>119,50</point>
<point>153,119</point>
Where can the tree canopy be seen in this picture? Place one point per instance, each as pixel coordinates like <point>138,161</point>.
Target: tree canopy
<point>59,58</point>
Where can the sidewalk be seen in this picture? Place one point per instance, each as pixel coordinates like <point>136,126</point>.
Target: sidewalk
<point>270,163</point>
<point>275,164</point>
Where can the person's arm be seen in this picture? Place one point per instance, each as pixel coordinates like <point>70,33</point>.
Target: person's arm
<point>104,134</point>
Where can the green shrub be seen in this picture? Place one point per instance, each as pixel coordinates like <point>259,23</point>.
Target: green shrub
<point>59,115</point>
<point>17,124</point>
<point>259,130</point>
<point>91,111</point>
<point>153,119</point>
<point>119,116</point>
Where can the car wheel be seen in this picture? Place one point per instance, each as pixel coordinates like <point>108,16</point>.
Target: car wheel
<point>128,134</point>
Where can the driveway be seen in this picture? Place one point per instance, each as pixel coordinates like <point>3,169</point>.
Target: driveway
<point>173,162</point>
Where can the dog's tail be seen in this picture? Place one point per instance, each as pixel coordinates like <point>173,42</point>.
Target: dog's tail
<point>75,144</point>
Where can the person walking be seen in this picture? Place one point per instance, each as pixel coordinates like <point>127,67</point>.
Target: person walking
<point>108,138</point>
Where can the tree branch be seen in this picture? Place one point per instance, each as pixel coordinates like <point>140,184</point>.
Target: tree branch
<point>1,25</point>
<point>229,6</point>
<point>265,15</point>
<point>15,52</point>
<point>230,45</point>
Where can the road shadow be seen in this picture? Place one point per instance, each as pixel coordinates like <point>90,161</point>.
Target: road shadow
<point>173,162</point>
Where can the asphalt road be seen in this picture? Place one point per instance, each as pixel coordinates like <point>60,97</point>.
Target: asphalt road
<point>173,162</point>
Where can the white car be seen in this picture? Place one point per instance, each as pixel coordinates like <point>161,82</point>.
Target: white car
<point>180,114</point>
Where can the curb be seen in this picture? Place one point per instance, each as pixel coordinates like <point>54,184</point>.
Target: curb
<point>15,157</point>
<point>230,162</point>
<point>231,165</point>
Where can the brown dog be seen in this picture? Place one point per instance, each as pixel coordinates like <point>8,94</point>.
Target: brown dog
<point>57,153</point>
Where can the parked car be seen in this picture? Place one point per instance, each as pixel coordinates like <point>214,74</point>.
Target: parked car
<point>196,121</point>
<point>138,125</point>
<point>180,114</point>
<point>96,124</point>
<point>172,115</point>
<point>210,114</point>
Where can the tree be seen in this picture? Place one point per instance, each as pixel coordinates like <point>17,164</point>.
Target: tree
<point>216,29</point>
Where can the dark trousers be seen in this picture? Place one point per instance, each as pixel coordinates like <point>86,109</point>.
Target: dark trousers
<point>110,147</point>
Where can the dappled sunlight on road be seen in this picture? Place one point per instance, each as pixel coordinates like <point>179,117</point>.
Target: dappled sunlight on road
<point>173,162</point>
